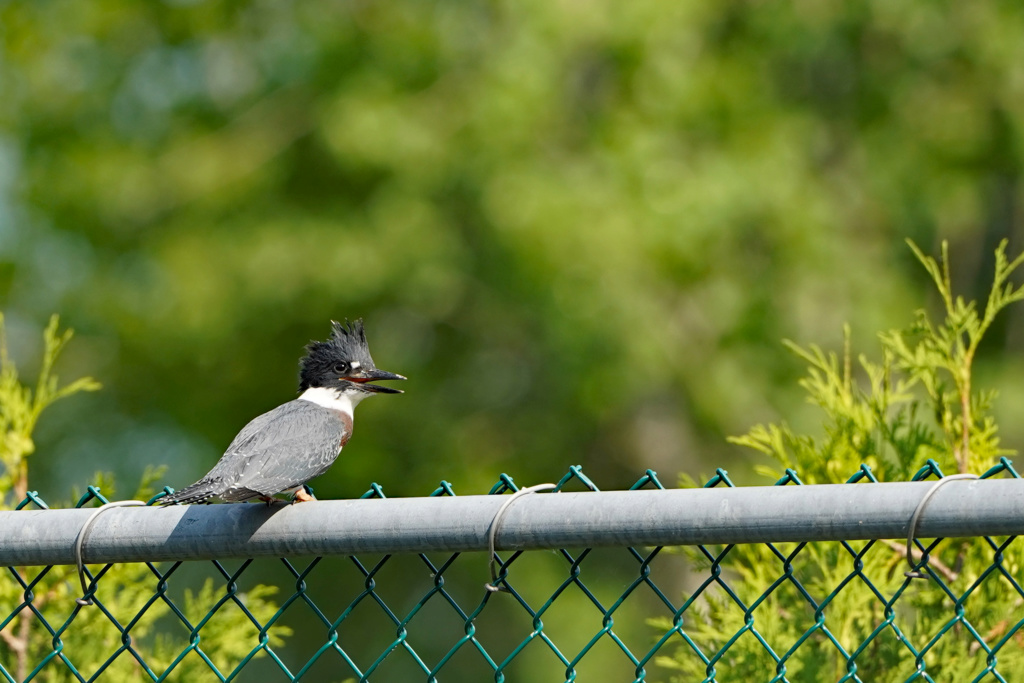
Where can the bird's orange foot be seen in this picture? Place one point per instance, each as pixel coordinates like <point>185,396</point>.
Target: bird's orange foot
<point>302,496</point>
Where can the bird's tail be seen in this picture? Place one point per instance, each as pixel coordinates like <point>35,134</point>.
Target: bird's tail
<point>199,492</point>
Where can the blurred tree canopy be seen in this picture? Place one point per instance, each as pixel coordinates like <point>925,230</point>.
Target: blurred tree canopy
<point>581,229</point>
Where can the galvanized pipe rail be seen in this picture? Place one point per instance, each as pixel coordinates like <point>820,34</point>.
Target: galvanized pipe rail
<point>754,514</point>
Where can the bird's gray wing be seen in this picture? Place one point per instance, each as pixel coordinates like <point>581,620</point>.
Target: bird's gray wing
<point>277,451</point>
<point>282,449</point>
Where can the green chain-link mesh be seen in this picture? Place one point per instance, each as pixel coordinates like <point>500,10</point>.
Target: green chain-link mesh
<point>492,633</point>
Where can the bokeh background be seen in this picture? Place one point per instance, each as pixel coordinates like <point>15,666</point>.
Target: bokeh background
<point>581,229</point>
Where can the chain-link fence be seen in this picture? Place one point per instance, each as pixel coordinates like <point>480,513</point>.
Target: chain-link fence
<point>788,611</point>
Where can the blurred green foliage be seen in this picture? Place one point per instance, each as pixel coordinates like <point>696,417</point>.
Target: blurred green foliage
<point>21,406</point>
<point>24,643</point>
<point>579,228</point>
<point>913,405</point>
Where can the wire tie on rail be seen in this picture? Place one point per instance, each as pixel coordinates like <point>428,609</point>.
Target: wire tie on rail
<point>86,598</point>
<point>492,532</point>
<point>914,572</point>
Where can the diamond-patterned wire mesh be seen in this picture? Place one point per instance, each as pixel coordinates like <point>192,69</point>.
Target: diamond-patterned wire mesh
<point>772,612</point>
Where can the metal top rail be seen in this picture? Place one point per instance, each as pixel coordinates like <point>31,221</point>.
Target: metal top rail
<point>754,514</point>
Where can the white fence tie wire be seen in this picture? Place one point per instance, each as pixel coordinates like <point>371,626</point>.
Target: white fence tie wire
<point>914,572</point>
<point>492,532</point>
<point>80,543</point>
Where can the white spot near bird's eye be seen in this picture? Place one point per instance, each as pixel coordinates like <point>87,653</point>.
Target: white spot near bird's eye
<point>330,398</point>
<point>356,365</point>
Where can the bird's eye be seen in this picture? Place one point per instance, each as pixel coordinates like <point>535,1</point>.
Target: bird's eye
<point>341,368</point>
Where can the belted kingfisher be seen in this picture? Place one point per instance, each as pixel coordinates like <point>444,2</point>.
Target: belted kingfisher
<point>279,451</point>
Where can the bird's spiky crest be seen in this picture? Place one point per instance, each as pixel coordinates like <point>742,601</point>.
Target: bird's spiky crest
<point>347,343</point>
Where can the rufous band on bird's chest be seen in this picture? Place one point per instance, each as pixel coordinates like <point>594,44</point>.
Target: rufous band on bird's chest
<point>346,420</point>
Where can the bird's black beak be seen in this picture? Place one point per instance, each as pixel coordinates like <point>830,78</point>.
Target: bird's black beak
<point>364,377</point>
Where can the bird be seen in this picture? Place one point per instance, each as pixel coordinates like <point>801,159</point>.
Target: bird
<point>281,450</point>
